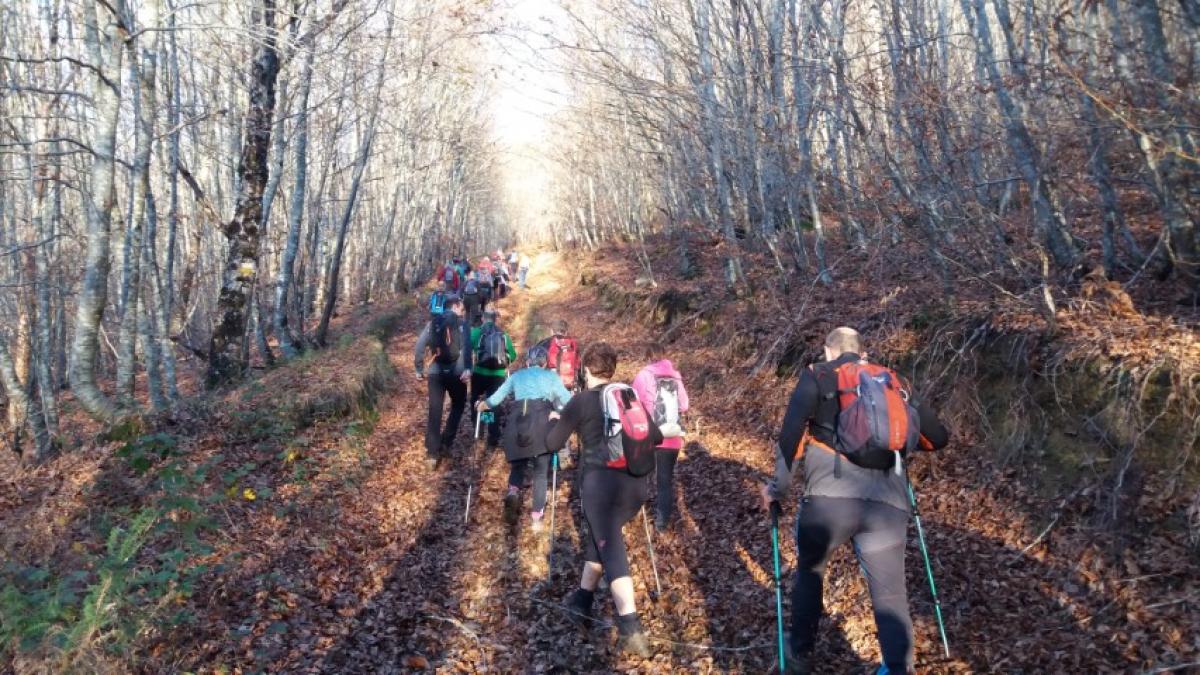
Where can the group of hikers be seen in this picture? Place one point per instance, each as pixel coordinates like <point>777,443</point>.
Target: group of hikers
<point>478,285</point>
<point>850,423</point>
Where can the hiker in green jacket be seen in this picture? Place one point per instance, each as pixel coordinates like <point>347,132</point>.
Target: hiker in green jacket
<point>493,350</point>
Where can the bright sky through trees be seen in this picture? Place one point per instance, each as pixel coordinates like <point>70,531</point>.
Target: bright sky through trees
<point>530,92</point>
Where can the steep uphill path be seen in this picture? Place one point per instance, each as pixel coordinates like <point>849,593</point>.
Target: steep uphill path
<point>475,596</point>
<point>391,578</point>
<point>396,579</point>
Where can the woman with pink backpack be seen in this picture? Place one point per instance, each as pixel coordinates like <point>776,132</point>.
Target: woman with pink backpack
<point>659,387</point>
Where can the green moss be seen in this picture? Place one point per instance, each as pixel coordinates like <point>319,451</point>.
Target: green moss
<point>124,430</point>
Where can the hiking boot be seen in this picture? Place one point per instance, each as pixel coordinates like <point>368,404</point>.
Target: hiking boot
<point>431,462</point>
<point>797,664</point>
<point>636,643</point>
<point>512,507</point>
<point>579,608</point>
<point>537,521</point>
<point>632,639</point>
<point>662,523</point>
<point>564,458</point>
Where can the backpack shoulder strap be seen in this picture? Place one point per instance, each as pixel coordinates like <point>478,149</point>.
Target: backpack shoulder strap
<point>827,380</point>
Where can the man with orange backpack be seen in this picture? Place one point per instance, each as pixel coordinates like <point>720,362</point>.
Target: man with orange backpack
<point>563,353</point>
<point>563,358</point>
<point>852,422</point>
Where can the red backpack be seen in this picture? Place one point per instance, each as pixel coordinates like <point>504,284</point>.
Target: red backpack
<point>876,424</point>
<point>627,430</point>
<point>564,359</point>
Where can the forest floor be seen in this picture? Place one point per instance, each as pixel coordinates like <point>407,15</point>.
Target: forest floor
<point>367,563</point>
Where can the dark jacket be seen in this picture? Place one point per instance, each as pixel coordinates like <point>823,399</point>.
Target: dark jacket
<point>809,412</point>
<point>527,424</point>
<point>584,414</point>
<point>424,344</point>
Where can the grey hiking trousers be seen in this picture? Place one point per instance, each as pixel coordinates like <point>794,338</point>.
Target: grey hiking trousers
<point>879,532</point>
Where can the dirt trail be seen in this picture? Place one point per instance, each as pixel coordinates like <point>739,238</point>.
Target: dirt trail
<point>476,597</point>
<point>393,580</point>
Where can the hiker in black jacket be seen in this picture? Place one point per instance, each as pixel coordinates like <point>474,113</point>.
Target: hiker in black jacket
<point>611,497</point>
<point>448,338</point>
<point>844,501</point>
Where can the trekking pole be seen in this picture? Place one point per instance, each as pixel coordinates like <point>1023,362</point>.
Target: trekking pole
<point>475,457</point>
<point>778,587</point>
<point>937,605</point>
<point>653,562</point>
<point>553,503</point>
<point>470,486</point>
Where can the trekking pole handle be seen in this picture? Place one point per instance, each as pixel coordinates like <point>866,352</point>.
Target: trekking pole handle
<point>776,513</point>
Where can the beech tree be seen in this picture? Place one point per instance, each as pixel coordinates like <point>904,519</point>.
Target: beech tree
<point>777,123</point>
<point>152,137</point>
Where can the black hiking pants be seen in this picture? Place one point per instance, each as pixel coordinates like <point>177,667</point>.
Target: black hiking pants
<point>611,498</point>
<point>664,480</point>
<point>879,532</point>
<point>537,468</point>
<point>437,439</point>
<point>483,386</point>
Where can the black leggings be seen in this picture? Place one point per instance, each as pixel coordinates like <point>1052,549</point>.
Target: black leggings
<point>518,471</point>
<point>610,499</point>
<point>879,532</point>
<point>664,479</point>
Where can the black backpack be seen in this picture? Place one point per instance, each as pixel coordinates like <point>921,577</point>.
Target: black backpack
<point>493,348</point>
<point>447,338</point>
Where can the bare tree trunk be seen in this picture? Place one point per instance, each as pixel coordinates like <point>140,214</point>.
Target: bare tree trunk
<point>1047,212</point>
<point>26,416</point>
<point>105,45</point>
<point>143,67</point>
<point>243,231</point>
<point>715,139</point>
<point>360,166</point>
<point>283,284</point>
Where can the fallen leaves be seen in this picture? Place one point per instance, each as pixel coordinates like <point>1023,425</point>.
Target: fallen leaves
<point>362,562</point>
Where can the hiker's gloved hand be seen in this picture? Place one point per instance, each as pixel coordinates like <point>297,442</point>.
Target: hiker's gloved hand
<point>465,377</point>
<point>555,416</point>
<point>482,405</point>
<point>671,430</point>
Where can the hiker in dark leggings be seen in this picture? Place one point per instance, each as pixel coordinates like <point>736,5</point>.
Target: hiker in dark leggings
<point>844,502</point>
<point>537,391</point>
<point>611,498</point>
<point>448,374</point>
<point>660,389</point>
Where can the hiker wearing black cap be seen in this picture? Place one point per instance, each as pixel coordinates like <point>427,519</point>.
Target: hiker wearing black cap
<point>611,494</point>
<point>852,423</point>
<point>446,339</point>
<point>493,352</point>
<point>536,392</point>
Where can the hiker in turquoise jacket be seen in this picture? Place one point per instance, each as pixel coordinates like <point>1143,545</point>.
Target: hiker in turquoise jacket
<point>493,350</point>
<point>537,392</point>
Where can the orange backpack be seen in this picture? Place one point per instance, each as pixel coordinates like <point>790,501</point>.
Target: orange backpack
<point>875,422</point>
